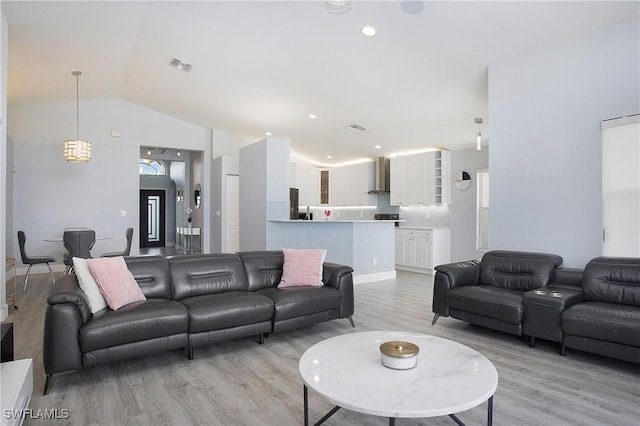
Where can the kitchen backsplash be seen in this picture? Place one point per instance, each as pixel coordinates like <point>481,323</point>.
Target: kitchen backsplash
<point>418,216</point>
<point>426,216</point>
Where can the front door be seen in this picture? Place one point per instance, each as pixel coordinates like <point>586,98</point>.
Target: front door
<point>152,218</point>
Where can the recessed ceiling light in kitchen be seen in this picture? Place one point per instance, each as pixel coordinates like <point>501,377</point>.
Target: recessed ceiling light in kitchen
<point>368,30</point>
<point>313,116</point>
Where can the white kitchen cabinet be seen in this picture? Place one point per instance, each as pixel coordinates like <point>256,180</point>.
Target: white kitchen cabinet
<point>395,181</point>
<point>349,185</point>
<point>421,250</point>
<point>307,180</point>
<point>421,179</point>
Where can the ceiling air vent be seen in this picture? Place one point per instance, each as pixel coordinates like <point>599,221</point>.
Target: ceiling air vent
<point>356,128</point>
<point>181,65</point>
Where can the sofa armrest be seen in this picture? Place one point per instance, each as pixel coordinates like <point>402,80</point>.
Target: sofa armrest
<point>461,273</point>
<point>340,277</point>
<point>67,311</point>
<point>449,276</point>
<point>66,291</point>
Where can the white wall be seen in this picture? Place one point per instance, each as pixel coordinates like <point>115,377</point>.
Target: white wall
<point>51,194</point>
<point>264,190</point>
<point>545,110</point>
<point>463,203</point>
<point>4,37</point>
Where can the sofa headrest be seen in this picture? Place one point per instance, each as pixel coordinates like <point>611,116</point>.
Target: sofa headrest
<point>206,274</point>
<point>557,260</point>
<point>263,268</point>
<point>152,275</point>
<point>517,270</point>
<point>613,280</point>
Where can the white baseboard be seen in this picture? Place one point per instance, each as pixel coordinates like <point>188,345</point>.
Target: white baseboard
<point>378,276</point>
<point>419,270</point>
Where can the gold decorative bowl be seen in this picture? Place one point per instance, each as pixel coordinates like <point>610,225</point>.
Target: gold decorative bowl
<point>399,355</point>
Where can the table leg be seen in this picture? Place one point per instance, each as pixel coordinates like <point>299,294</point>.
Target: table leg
<point>306,405</point>
<point>490,411</point>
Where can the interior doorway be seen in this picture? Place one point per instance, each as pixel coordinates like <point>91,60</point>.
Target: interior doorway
<point>152,218</point>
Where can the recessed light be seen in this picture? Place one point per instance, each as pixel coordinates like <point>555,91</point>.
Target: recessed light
<point>329,157</point>
<point>368,30</point>
<point>377,147</point>
<point>267,133</point>
<point>178,153</point>
<point>313,116</point>
<point>148,152</point>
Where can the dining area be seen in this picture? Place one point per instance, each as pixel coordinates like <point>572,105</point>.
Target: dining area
<point>77,242</point>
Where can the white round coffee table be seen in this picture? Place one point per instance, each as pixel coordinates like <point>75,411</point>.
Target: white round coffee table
<point>347,371</point>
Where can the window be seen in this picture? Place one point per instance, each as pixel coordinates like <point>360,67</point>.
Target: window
<point>152,167</point>
<point>482,238</point>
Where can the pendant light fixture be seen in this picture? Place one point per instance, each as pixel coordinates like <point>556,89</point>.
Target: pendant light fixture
<point>478,121</point>
<point>77,151</point>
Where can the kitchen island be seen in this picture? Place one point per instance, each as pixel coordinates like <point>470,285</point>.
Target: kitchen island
<point>368,246</point>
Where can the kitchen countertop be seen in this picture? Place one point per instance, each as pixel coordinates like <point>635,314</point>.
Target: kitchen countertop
<point>337,221</point>
<point>421,228</point>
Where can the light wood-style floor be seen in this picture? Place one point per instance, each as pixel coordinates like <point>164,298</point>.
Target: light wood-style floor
<point>244,383</point>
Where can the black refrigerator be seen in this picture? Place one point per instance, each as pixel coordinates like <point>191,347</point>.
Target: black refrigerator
<point>293,203</point>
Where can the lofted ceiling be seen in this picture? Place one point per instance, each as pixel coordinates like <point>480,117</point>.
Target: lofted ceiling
<point>264,66</point>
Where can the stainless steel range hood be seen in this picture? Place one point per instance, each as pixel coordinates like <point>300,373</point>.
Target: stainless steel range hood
<point>381,176</point>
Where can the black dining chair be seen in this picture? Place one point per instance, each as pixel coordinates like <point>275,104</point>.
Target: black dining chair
<point>35,260</point>
<point>127,249</point>
<point>78,244</point>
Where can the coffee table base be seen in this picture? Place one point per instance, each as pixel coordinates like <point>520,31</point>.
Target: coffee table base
<point>392,420</point>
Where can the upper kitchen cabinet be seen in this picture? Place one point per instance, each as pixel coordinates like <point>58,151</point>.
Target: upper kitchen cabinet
<point>307,180</point>
<point>421,179</point>
<point>350,185</point>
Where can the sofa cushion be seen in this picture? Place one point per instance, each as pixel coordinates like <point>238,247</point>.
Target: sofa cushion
<point>517,270</point>
<point>152,275</point>
<point>613,279</point>
<point>226,310</point>
<point>88,285</point>
<point>299,301</point>
<point>115,281</point>
<point>206,274</point>
<point>263,268</point>
<point>500,303</point>
<point>135,322</point>
<point>302,268</point>
<point>609,322</point>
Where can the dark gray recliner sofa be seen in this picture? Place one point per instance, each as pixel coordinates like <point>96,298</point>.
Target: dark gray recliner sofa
<point>191,301</point>
<point>607,321</point>
<point>490,292</point>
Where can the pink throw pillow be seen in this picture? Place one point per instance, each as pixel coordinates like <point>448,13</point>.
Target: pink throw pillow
<point>115,281</point>
<point>302,268</point>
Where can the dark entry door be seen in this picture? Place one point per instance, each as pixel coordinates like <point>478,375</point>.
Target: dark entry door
<point>152,218</point>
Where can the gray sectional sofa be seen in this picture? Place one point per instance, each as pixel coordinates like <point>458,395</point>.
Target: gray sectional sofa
<point>192,301</point>
<point>490,292</point>
<point>607,321</point>
<point>594,310</point>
